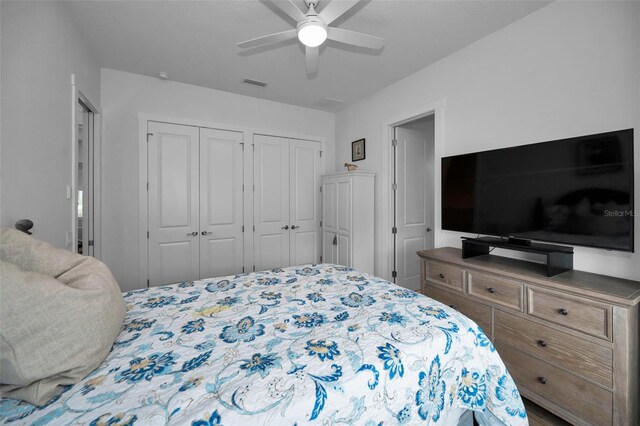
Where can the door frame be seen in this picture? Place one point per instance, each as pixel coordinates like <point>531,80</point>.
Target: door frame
<point>77,94</point>
<point>248,132</point>
<point>437,109</point>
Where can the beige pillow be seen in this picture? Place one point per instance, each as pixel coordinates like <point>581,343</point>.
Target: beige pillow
<point>59,316</point>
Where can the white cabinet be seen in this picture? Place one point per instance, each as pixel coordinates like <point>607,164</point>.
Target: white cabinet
<point>347,227</point>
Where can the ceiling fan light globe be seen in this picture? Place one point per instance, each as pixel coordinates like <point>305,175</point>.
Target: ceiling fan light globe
<point>312,34</point>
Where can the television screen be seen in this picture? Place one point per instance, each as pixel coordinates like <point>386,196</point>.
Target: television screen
<point>573,191</point>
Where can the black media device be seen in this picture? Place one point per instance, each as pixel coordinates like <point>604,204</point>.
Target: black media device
<point>576,191</point>
<point>519,241</point>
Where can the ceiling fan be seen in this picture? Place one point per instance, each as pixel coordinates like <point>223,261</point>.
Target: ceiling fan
<point>313,29</point>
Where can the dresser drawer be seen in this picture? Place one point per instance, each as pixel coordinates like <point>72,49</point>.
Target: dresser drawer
<point>581,357</point>
<point>479,313</point>
<point>580,314</point>
<point>449,276</point>
<point>498,290</point>
<point>577,396</point>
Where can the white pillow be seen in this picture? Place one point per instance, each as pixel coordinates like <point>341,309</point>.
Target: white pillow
<point>60,314</point>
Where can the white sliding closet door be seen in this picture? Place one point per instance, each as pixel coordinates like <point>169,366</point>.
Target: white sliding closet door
<point>221,222</point>
<point>173,203</point>
<point>305,241</point>
<point>271,202</point>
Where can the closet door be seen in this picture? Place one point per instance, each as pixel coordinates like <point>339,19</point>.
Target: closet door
<point>304,190</point>
<point>173,203</point>
<point>221,171</point>
<point>271,202</point>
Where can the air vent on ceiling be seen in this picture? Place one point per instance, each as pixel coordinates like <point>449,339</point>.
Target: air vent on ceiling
<point>254,82</point>
<point>329,103</point>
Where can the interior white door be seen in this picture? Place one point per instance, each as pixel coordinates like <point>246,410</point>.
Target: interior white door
<point>221,215</point>
<point>304,189</point>
<point>271,202</point>
<point>84,185</point>
<point>412,205</point>
<point>173,203</point>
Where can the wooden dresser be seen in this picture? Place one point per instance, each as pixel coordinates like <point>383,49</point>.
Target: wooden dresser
<point>570,341</point>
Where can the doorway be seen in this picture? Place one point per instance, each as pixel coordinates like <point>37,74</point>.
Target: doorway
<point>85,178</point>
<point>413,187</point>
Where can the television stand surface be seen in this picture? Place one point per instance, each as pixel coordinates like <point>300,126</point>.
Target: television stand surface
<point>519,241</point>
<point>559,258</point>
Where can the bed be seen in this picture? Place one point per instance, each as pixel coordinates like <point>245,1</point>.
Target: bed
<point>316,344</point>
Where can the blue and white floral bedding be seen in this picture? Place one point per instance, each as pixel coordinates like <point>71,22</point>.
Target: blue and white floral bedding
<point>321,344</point>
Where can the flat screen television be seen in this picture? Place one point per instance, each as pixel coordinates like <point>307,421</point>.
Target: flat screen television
<point>576,191</point>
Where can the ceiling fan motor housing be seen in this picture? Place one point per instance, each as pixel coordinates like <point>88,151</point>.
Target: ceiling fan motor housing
<point>312,31</point>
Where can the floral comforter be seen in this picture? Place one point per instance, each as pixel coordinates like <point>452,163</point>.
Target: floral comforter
<point>321,344</point>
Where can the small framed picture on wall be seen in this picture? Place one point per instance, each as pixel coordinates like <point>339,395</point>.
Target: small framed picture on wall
<point>357,150</point>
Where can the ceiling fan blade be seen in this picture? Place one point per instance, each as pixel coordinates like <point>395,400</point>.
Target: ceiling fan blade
<point>312,56</point>
<point>355,38</point>
<point>271,38</point>
<point>336,9</point>
<point>290,9</point>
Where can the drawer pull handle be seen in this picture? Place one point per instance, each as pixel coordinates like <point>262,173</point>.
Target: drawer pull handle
<point>491,290</point>
<point>542,380</point>
<point>542,343</point>
<point>452,306</point>
<point>563,311</point>
<point>442,276</point>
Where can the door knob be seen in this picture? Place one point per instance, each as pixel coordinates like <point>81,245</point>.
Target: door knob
<point>285,227</point>
<point>205,232</point>
<point>294,227</point>
<point>192,234</point>
<point>428,229</point>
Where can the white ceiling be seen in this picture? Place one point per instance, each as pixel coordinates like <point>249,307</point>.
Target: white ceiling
<point>195,42</point>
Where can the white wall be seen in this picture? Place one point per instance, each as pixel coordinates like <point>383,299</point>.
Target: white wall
<point>41,48</point>
<point>123,96</point>
<point>569,69</point>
